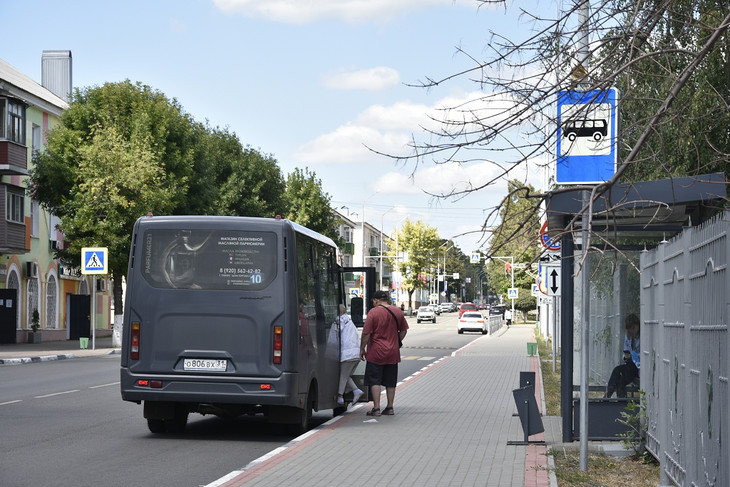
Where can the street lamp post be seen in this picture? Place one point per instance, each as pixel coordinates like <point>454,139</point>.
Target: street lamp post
<point>397,257</point>
<point>363,226</point>
<point>445,250</point>
<point>381,244</point>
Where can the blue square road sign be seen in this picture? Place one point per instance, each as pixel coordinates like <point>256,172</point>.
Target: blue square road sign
<point>94,260</point>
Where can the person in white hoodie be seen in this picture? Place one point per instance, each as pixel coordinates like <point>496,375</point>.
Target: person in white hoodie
<point>349,356</point>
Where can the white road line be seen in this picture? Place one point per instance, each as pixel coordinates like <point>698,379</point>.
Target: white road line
<point>104,385</point>
<point>10,402</point>
<point>56,394</point>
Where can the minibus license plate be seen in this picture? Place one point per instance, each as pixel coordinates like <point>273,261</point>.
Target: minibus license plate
<point>214,365</point>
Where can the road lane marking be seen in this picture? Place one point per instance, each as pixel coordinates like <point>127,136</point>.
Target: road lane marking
<point>10,402</point>
<point>105,385</point>
<point>56,394</point>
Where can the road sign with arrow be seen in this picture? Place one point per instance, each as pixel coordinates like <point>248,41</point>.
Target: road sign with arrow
<point>553,280</point>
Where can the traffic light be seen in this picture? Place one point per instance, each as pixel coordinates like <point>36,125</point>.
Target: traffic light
<point>507,269</point>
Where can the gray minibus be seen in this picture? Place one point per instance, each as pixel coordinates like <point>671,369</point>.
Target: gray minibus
<point>229,316</point>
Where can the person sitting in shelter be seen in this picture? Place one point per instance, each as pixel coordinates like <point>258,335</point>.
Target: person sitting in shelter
<point>628,372</point>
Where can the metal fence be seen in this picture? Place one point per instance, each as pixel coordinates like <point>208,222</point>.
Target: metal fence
<point>685,298</point>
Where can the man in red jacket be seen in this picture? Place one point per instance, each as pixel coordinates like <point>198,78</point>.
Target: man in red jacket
<point>384,328</point>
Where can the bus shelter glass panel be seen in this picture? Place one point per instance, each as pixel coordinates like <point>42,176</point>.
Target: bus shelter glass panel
<point>613,304</point>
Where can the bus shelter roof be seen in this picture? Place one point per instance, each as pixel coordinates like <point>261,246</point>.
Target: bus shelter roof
<point>644,210</point>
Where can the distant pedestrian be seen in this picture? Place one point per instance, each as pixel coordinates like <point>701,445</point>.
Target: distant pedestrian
<point>384,328</point>
<point>349,344</point>
<point>508,316</point>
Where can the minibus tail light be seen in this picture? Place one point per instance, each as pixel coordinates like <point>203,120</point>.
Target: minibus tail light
<point>134,341</point>
<point>277,344</point>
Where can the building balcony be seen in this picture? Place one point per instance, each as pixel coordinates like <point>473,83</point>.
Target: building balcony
<point>13,159</point>
<point>12,234</point>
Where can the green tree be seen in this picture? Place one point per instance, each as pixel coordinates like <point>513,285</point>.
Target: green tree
<point>451,261</point>
<point>249,183</point>
<point>691,137</point>
<point>121,150</point>
<point>418,248</point>
<point>308,204</point>
<point>516,236</point>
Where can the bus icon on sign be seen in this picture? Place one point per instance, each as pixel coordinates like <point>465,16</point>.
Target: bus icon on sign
<point>597,129</point>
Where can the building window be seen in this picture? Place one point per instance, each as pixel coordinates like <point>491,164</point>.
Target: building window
<point>51,300</point>
<point>36,139</point>
<point>34,218</point>
<point>13,123</point>
<point>14,208</point>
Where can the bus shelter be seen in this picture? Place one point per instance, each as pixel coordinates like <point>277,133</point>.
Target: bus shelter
<point>625,220</point>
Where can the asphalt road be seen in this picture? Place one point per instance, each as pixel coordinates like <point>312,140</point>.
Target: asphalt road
<point>63,423</point>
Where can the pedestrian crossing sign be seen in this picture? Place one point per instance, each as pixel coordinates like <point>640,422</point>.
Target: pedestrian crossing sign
<point>94,260</point>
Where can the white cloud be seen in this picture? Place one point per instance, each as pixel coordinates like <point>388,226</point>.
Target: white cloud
<point>302,12</point>
<point>349,144</point>
<point>389,129</point>
<point>441,180</point>
<point>374,79</point>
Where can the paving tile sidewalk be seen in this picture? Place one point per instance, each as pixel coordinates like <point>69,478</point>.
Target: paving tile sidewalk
<point>19,353</point>
<point>452,426</point>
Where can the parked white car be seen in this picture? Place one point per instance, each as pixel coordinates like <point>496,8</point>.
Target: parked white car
<point>425,313</point>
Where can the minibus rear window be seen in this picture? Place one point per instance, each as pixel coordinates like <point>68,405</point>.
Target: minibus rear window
<point>209,259</point>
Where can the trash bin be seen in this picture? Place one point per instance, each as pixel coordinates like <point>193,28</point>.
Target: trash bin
<point>531,348</point>
<point>83,342</point>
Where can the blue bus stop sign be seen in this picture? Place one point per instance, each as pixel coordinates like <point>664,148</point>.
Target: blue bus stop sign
<point>587,148</point>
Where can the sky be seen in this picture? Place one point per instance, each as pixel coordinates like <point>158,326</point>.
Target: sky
<point>326,85</point>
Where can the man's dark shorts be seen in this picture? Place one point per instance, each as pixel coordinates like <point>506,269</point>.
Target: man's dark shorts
<point>381,375</point>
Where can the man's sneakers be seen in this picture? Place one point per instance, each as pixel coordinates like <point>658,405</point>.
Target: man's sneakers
<point>340,400</point>
<point>356,395</point>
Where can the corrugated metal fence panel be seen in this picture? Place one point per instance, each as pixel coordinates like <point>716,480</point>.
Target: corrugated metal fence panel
<point>685,302</point>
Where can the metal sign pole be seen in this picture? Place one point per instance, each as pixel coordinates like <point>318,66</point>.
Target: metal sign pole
<point>585,336</point>
<point>93,312</point>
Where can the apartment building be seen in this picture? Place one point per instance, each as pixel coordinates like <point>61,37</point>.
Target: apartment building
<point>31,278</point>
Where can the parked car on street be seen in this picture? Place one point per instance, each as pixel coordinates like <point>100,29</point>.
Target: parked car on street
<point>464,307</point>
<point>472,321</point>
<point>425,313</point>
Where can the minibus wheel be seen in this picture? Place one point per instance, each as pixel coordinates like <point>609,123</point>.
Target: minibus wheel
<point>156,425</point>
<point>305,415</point>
